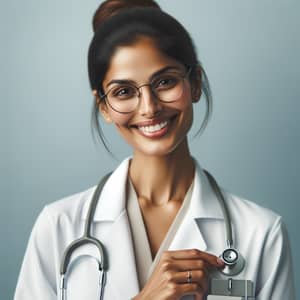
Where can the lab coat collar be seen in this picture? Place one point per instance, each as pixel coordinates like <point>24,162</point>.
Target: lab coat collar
<point>204,203</point>
<point>112,200</point>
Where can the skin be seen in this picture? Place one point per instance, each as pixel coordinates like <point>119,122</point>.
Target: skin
<point>169,166</point>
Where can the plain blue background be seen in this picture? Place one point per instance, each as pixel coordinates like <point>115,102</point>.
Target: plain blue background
<point>250,50</point>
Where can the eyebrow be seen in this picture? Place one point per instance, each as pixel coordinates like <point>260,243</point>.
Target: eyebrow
<point>155,74</point>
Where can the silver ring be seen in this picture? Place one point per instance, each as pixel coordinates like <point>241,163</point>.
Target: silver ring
<point>189,276</point>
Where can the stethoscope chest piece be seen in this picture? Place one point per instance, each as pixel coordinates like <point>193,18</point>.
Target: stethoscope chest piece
<point>234,262</point>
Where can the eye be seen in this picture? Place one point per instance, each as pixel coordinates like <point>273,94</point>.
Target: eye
<point>166,82</point>
<point>122,92</point>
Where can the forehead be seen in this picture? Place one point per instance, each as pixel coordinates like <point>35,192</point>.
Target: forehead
<point>138,61</point>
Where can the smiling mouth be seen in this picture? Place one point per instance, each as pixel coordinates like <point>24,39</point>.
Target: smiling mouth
<point>156,129</point>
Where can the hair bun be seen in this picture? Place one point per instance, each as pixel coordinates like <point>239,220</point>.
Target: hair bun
<point>109,8</point>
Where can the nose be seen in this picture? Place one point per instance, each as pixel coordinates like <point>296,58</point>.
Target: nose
<point>149,105</point>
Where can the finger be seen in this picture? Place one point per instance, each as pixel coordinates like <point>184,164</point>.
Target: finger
<point>193,276</point>
<point>195,254</point>
<point>190,264</point>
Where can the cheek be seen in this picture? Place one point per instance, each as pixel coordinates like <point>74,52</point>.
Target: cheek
<point>121,123</point>
<point>184,105</point>
<point>186,99</point>
<point>187,109</point>
<point>119,119</point>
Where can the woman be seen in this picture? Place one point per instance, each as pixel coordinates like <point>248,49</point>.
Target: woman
<point>157,217</point>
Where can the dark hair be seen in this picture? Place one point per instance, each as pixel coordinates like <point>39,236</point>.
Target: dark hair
<point>121,22</point>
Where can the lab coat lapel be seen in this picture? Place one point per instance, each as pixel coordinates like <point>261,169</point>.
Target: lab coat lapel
<point>203,205</point>
<point>111,213</point>
<point>188,235</point>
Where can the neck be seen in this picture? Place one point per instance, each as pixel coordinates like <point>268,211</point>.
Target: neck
<point>160,179</point>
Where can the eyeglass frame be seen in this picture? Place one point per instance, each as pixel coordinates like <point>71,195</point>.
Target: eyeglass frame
<point>104,96</point>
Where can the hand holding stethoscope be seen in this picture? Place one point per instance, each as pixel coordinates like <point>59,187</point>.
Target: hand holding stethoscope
<point>179,273</point>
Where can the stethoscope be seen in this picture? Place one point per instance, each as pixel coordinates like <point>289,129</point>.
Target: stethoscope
<point>234,261</point>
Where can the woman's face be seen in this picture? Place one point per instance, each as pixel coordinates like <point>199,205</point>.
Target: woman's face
<point>154,128</point>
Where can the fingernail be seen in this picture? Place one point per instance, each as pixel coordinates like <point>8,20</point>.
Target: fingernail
<point>220,261</point>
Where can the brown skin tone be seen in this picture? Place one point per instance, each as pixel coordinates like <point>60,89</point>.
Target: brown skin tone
<point>161,169</point>
<point>169,279</point>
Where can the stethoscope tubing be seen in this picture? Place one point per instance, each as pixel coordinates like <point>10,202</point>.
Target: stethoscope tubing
<point>220,197</point>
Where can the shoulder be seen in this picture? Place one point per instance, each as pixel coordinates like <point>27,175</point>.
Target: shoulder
<point>69,208</point>
<point>241,210</point>
<point>59,221</point>
<point>250,214</point>
<point>249,207</point>
<point>72,208</point>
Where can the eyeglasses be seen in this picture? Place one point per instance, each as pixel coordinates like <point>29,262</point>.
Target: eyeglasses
<point>166,87</point>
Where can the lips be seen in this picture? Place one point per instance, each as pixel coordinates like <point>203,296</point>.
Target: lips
<point>154,128</point>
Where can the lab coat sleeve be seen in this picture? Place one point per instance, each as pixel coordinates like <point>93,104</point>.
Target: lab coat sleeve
<point>276,280</point>
<point>37,276</point>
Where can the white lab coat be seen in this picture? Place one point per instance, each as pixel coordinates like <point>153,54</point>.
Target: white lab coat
<point>259,234</point>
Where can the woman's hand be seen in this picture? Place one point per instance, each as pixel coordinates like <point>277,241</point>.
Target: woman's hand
<point>169,280</point>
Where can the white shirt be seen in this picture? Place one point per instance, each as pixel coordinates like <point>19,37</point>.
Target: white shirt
<point>259,234</point>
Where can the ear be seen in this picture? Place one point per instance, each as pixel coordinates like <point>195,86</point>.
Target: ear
<point>196,84</point>
<point>102,106</point>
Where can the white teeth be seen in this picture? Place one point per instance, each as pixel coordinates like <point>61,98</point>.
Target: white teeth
<point>153,128</point>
